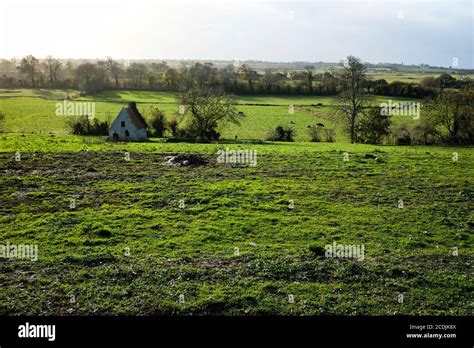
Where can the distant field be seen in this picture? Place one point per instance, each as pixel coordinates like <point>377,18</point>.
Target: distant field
<point>166,97</point>
<point>390,77</point>
<point>33,115</point>
<point>39,93</point>
<point>410,78</point>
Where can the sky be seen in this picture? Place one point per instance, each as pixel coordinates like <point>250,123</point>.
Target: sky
<point>435,32</point>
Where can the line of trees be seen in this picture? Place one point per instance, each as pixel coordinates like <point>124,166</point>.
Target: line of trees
<point>109,74</point>
<point>449,116</point>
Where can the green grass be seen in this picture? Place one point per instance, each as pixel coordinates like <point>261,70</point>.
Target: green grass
<point>37,115</point>
<point>170,98</point>
<point>38,93</point>
<point>402,77</point>
<point>137,96</point>
<point>414,78</point>
<point>134,205</point>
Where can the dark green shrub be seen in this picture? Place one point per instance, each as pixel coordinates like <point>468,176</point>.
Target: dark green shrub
<point>372,127</point>
<point>158,122</point>
<point>281,134</point>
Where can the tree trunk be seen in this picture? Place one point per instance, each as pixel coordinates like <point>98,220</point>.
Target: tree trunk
<point>353,137</point>
<point>455,135</point>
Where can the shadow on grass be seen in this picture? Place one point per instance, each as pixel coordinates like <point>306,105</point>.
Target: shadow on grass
<point>125,96</point>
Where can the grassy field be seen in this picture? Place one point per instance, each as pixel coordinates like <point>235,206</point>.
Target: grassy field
<point>37,115</point>
<point>134,205</point>
<point>414,78</point>
<point>147,238</point>
<point>38,93</point>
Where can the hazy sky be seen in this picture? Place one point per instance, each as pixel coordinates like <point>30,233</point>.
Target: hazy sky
<point>432,32</point>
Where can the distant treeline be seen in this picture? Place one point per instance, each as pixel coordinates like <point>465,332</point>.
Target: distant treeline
<point>109,74</point>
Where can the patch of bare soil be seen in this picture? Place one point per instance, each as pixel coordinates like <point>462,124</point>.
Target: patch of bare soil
<point>186,160</point>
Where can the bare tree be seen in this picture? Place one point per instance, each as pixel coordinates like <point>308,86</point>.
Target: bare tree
<point>204,75</point>
<point>227,76</point>
<point>271,78</point>
<point>28,65</point>
<point>170,78</point>
<point>249,75</point>
<point>136,73</point>
<point>52,65</point>
<point>85,72</point>
<point>353,98</point>
<point>155,73</point>
<point>310,75</point>
<point>114,69</point>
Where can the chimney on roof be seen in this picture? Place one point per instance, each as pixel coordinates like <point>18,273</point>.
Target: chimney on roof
<point>133,106</point>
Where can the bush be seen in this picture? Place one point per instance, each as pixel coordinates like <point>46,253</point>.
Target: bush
<point>315,134</point>
<point>372,127</point>
<point>446,81</point>
<point>428,82</point>
<point>329,135</point>
<point>425,132</point>
<point>172,125</point>
<point>192,130</point>
<point>158,122</point>
<point>281,134</point>
<point>400,135</point>
<point>453,113</point>
<point>82,126</point>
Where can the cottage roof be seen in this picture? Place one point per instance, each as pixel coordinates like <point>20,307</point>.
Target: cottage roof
<point>135,116</point>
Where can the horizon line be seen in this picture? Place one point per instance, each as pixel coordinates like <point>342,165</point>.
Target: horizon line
<point>246,60</point>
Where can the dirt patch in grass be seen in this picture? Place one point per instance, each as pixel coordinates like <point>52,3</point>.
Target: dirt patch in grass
<point>188,159</point>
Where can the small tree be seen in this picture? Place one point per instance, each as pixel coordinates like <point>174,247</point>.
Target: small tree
<point>315,133</point>
<point>329,135</point>
<point>79,125</point>
<point>52,65</point>
<point>400,134</point>
<point>28,66</point>
<point>158,122</point>
<point>84,73</point>
<point>445,81</point>
<point>207,110</point>
<point>310,75</point>
<point>281,134</point>
<point>83,126</point>
<point>173,125</point>
<point>372,127</point>
<point>425,132</point>
<point>453,111</point>
<point>114,69</point>
<point>353,98</point>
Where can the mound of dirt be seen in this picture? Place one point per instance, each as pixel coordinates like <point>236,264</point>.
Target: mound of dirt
<point>186,160</point>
